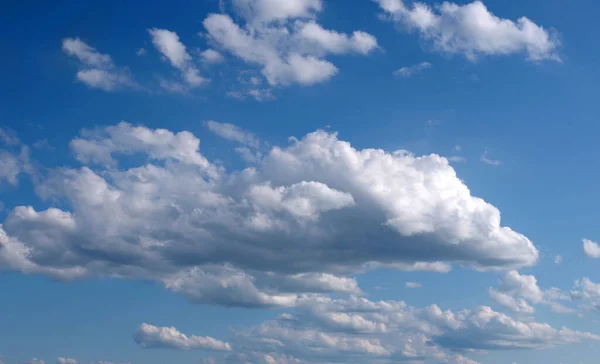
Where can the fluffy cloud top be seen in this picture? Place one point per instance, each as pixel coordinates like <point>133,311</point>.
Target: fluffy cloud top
<point>472,30</point>
<point>150,336</point>
<point>318,209</point>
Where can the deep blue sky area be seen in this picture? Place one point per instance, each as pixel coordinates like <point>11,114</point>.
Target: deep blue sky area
<point>299,181</point>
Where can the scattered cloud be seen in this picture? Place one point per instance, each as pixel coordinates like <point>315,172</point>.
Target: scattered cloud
<point>149,336</point>
<point>472,30</point>
<point>558,259</point>
<point>457,159</point>
<point>409,71</point>
<point>168,44</point>
<point>97,69</point>
<point>62,360</point>
<point>359,330</point>
<point>141,52</point>
<point>591,248</point>
<point>518,292</point>
<point>283,38</point>
<point>254,93</point>
<point>487,160</point>
<point>34,361</point>
<point>211,56</point>
<point>305,220</point>
<point>457,148</point>
<point>231,132</point>
<point>413,285</point>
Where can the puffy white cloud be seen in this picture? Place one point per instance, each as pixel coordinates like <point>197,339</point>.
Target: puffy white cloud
<point>234,133</point>
<point>591,248</point>
<point>149,336</point>
<point>412,70</point>
<point>168,44</point>
<point>587,291</point>
<point>307,218</point>
<point>212,56</point>
<point>517,291</point>
<point>472,30</point>
<point>98,70</point>
<point>86,54</point>
<point>62,360</point>
<point>283,38</point>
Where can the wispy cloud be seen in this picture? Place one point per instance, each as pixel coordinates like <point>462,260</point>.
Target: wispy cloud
<point>409,71</point>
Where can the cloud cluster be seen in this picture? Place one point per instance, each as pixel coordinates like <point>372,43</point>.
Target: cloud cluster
<point>363,331</point>
<point>283,38</point>
<point>147,204</point>
<point>472,30</point>
<point>97,69</point>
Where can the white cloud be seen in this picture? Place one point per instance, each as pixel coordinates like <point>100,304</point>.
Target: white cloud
<point>277,10</point>
<point>86,54</point>
<point>34,361</point>
<point>558,259</point>
<point>359,330</point>
<point>234,133</point>
<point>98,70</point>
<point>317,208</point>
<point>457,159</point>
<point>141,52</point>
<point>212,56</point>
<point>591,248</point>
<point>413,285</point>
<point>412,70</point>
<point>169,45</point>
<point>472,30</point>
<point>492,162</point>
<point>587,291</point>
<point>284,40</point>
<point>254,93</point>
<point>103,79</point>
<point>149,336</point>
<point>62,360</point>
<point>518,291</point>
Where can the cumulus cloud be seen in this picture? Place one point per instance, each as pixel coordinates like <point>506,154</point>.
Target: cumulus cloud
<point>170,46</point>
<point>359,330</point>
<point>284,40</point>
<point>305,220</point>
<point>472,30</point>
<point>591,248</point>
<point>149,336</point>
<point>411,70</point>
<point>97,69</point>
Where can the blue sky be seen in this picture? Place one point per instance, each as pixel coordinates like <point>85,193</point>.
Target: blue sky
<point>299,181</point>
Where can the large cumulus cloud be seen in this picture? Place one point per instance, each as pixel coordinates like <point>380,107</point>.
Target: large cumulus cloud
<point>147,204</point>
